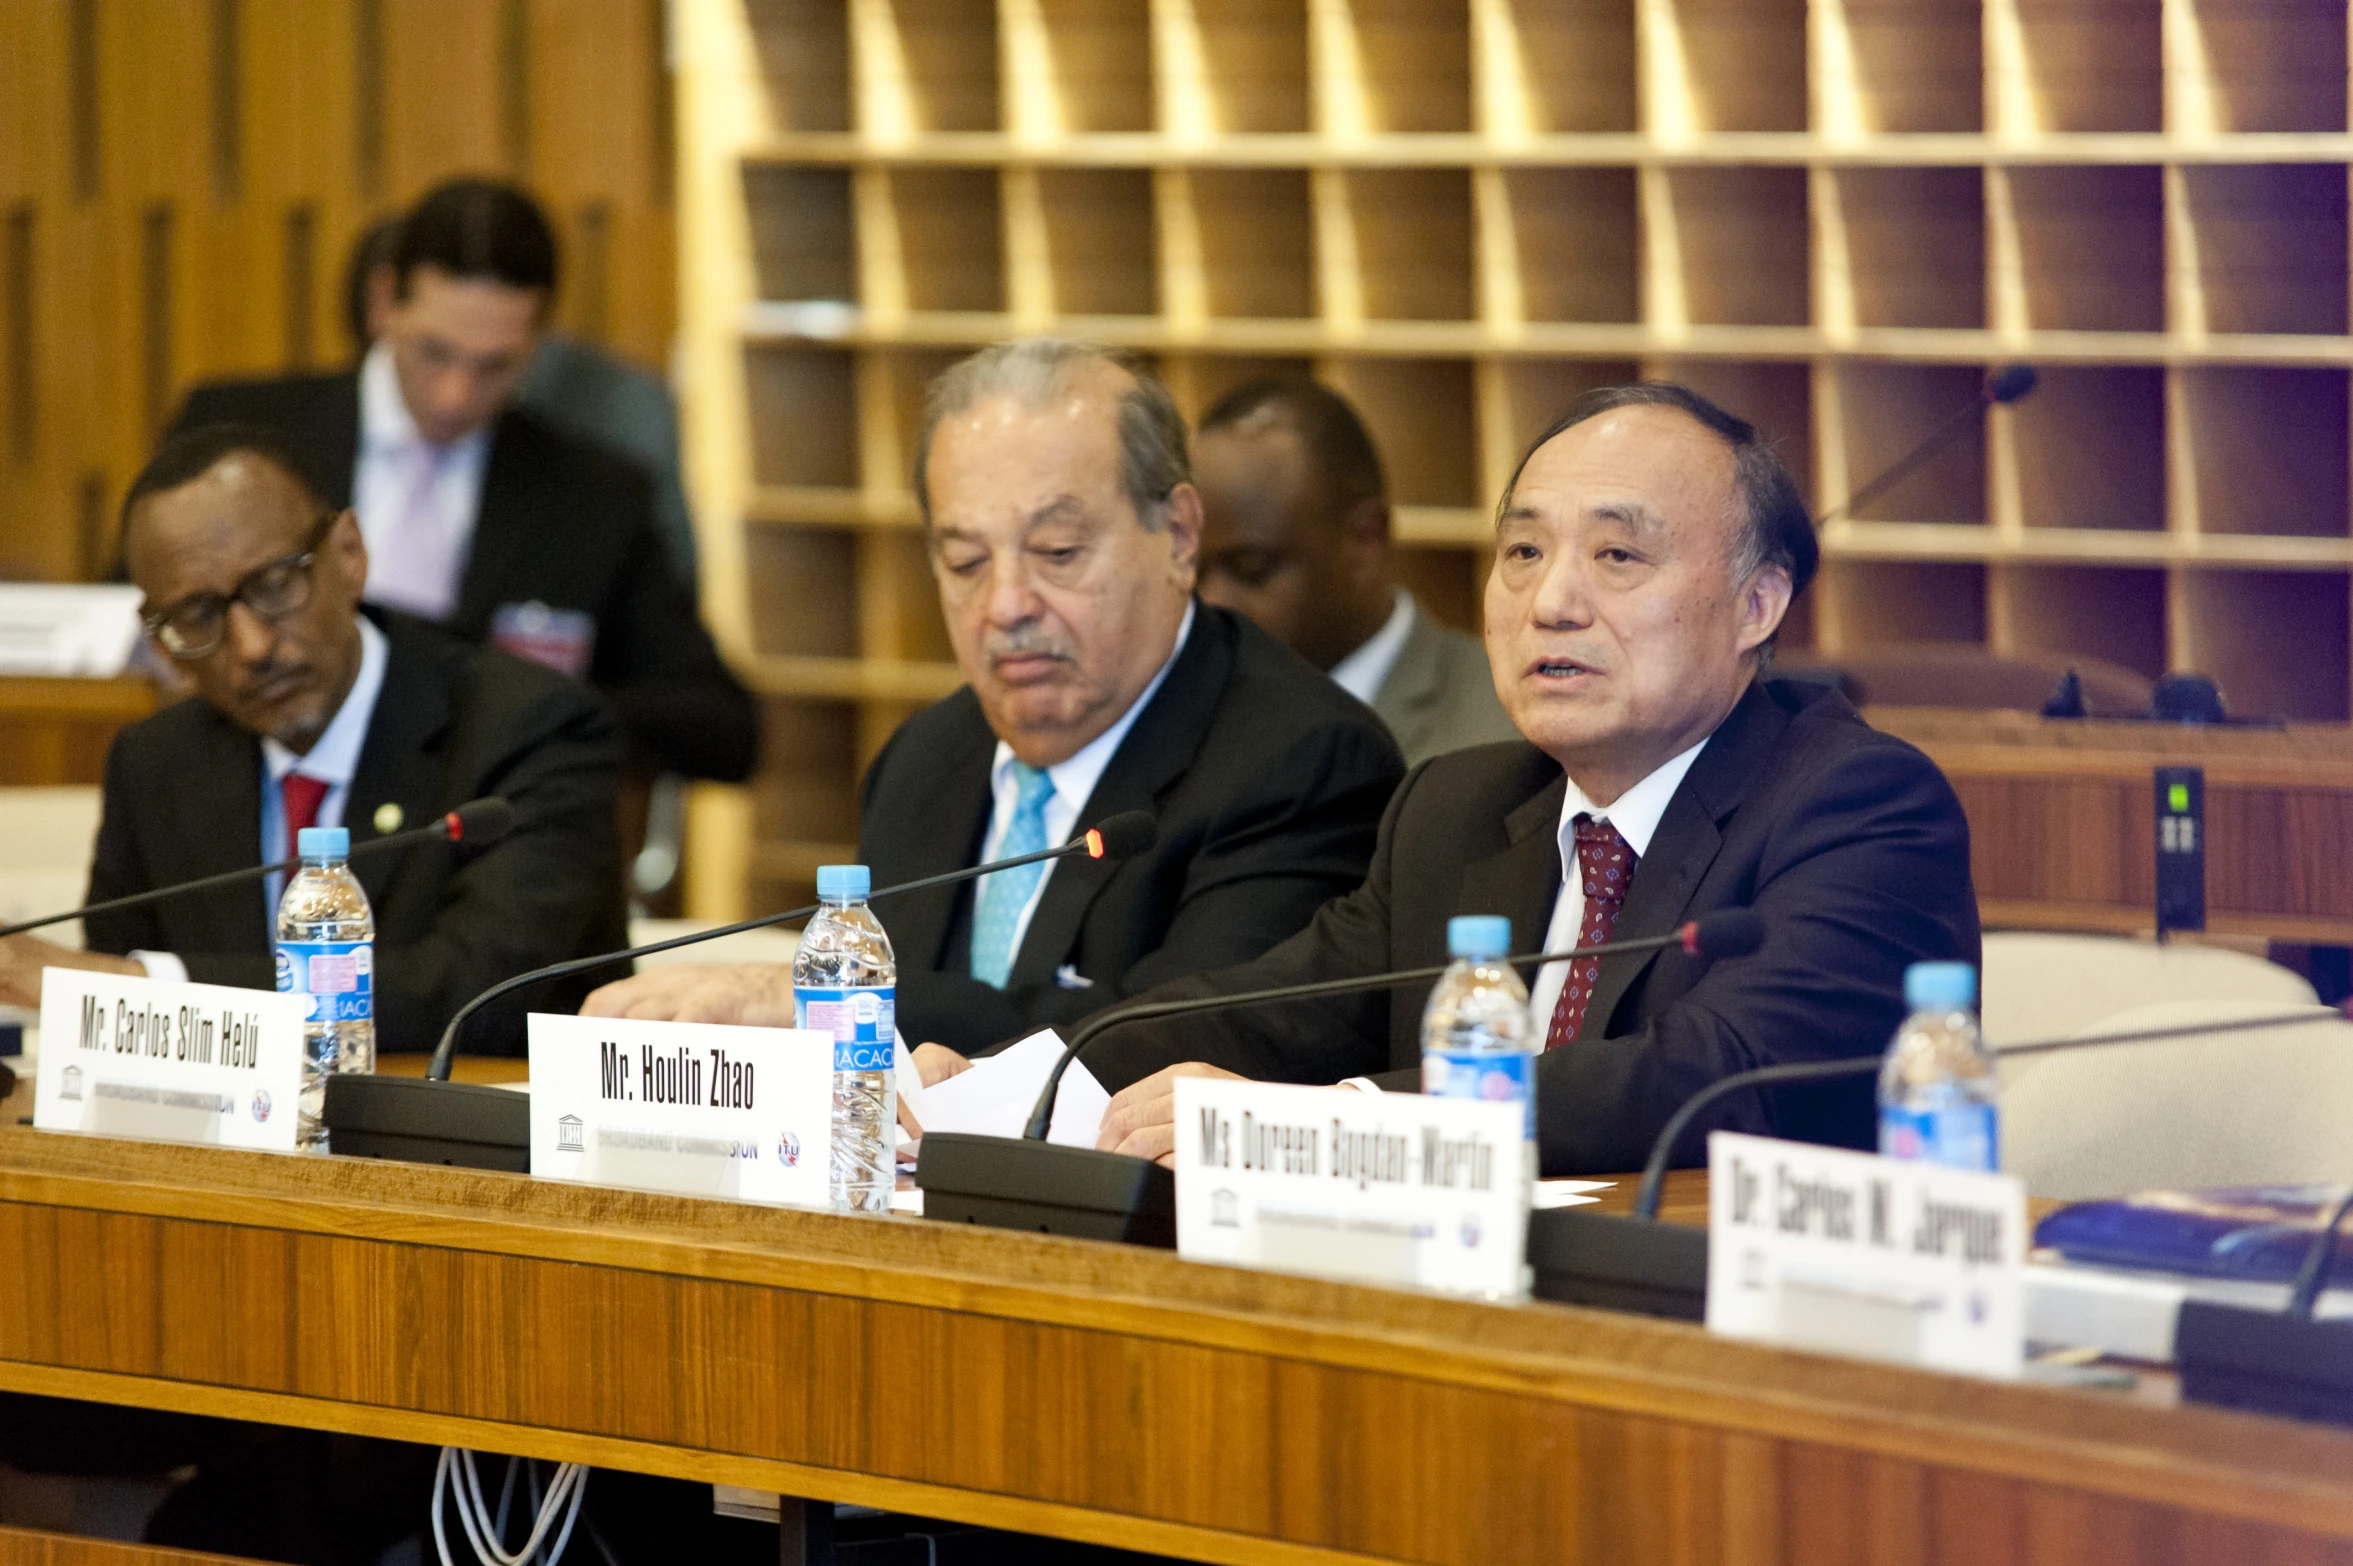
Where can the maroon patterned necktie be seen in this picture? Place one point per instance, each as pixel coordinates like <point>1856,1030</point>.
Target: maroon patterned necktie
<point>1605,861</point>
<point>303,796</point>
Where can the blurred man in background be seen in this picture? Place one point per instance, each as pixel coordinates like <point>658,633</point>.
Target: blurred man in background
<point>1296,535</point>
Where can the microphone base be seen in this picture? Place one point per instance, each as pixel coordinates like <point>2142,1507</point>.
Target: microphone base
<point>417,1121</point>
<point>2265,1362</point>
<point>1625,1264</point>
<point>1008,1183</point>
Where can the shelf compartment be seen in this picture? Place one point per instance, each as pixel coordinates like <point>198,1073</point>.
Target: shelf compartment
<point>1777,398</point>
<point>1915,245</point>
<point>1101,54</point>
<point>806,792</point>
<point>2264,65</point>
<point>2114,613</point>
<point>1536,392</point>
<point>1882,603</point>
<point>1412,68</point>
<point>803,233</point>
<point>889,463</point>
<point>2275,641</point>
<point>2090,447</point>
<point>1575,63</point>
<point>1198,380</point>
<point>2271,247</point>
<point>1257,230</point>
<point>951,238</point>
<point>1918,65</point>
<point>803,407</point>
<point>1422,414</point>
<point>1099,241</point>
<point>947,59</point>
<point>2091,244</point>
<point>803,50</point>
<point>2268,450</point>
<point>1255,56</point>
<point>1886,410</point>
<point>1450,582</point>
<point>1741,235</point>
<point>804,591</point>
<point>2096,66</point>
<point>1576,234</point>
<point>1744,65</point>
<point>1413,243</point>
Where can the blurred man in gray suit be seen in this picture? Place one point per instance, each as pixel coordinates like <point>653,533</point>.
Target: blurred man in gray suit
<point>1296,536</point>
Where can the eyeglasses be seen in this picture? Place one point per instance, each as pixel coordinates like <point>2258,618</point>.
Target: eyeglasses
<point>195,627</point>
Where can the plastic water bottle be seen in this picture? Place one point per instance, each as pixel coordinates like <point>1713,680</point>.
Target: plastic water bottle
<point>1477,1039</point>
<point>845,982</point>
<point>1938,1087</point>
<point>327,950</point>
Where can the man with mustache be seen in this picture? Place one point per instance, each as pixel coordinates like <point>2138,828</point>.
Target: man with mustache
<point>1065,533</point>
<point>310,713</point>
<point>1646,552</point>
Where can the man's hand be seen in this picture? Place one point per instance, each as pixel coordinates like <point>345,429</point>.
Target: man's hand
<point>1141,1121</point>
<point>935,1063</point>
<point>22,957</point>
<point>751,995</point>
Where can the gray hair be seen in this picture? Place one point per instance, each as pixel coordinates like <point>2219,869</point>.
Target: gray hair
<point>1033,371</point>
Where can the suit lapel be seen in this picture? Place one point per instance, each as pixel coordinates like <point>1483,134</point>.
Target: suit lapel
<point>1687,841</point>
<point>1156,752</point>
<point>223,785</point>
<point>1523,882</point>
<point>503,528</point>
<point>396,761</point>
<point>948,834</point>
<point>1413,685</point>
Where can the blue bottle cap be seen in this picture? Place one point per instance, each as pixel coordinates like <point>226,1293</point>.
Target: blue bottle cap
<point>323,843</point>
<point>1478,936</point>
<point>1940,986</point>
<point>843,883</point>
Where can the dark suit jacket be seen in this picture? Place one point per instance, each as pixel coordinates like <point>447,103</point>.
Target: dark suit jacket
<point>1267,781</point>
<point>1848,842</point>
<point>563,522</point>
<point>452,723</point>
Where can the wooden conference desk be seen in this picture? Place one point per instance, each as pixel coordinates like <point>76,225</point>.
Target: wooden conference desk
<point>1082,1390</point>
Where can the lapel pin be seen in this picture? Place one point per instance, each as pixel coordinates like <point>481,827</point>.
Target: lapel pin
<point>388,819</point>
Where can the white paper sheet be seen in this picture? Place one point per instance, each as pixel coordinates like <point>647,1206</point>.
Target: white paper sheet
<point>1568,1193</point>
<point>996,1096</point>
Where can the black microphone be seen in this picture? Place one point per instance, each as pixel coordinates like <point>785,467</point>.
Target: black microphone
<point>1117,837</point>
<point>1028,1183</point>
<point>2007,384</point>
<point>477,823</point>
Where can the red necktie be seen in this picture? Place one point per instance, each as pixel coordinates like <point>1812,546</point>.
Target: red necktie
<point>1605,861</point>
<point>303,797</point>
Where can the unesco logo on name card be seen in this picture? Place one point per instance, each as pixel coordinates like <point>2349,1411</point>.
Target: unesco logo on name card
<point>568,1138</point>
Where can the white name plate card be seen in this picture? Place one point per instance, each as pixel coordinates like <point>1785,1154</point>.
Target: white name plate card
<point>165,1062</point>
<point>690,1108</point>
<point>1847,1253</point>
<point>1385,1187</point>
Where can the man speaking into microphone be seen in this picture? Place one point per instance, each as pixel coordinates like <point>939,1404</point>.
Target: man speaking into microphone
<point>309,713</point>
<point>1646,552</point>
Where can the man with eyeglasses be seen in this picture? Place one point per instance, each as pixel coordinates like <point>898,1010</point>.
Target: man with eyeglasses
<point>310,713</point>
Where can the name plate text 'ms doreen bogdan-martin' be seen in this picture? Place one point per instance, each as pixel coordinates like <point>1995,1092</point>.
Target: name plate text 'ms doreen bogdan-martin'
<point>165,1062</point>
<point>690,1108</point>
<point>1386,1187</point>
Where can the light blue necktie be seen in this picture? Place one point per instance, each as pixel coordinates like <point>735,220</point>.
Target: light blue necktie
<point>1005,894</point>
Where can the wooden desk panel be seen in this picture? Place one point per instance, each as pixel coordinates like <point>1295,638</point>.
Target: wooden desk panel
<point>30,1547</point>
<point>1083,1390</point>
<point>56,732</point>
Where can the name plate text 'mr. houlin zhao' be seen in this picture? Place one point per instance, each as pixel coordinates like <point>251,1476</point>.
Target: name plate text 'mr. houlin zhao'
<point>685,1107</point>
<point>169,1062</point>
<point>1387,1187</point>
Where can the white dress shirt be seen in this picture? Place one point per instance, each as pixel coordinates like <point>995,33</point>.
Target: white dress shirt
<point>1635,814</point>
<point>332,760</point>
<point>415,563</point>
<point>1363,672</point>
<point>1074,783</point>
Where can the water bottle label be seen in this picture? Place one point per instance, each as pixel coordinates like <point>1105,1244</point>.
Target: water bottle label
<point>1481,1074</point>
<point>863,1022</point>
<point>338,976</point>
<point>1958,1136</point>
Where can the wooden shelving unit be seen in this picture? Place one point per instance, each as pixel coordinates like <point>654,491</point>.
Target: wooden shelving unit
<point>1833,215</point>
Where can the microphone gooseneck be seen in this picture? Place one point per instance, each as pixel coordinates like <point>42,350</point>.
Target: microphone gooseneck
<point>1730,932</point>
<point>2005,385</point>
<point>477,824</point>
<point>1116,837</point>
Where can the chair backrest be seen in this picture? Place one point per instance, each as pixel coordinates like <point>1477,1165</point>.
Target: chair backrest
<point>2045,986</point>
<point>46,835</point>
<point>769,945</point>
<point>2259,1107</point>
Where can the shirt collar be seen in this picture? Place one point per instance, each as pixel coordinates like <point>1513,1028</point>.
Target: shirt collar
<point>385,423</point>
<point>1075,779</point>
<point>1363,672</point>
<point>1635,813</point>
<point>335,757</point>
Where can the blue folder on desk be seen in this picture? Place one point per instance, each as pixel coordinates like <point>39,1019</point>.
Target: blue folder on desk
<point>2257,1234</point>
